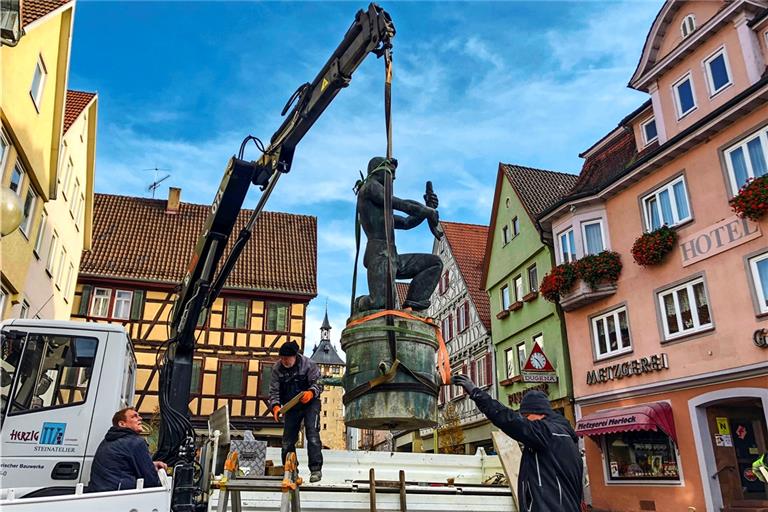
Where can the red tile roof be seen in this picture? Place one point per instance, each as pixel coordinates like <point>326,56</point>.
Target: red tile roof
<point>33,10</point>
<point>402,291</point>
<point>467,243</point>
<point>538,188</point>
<point>605,165</point>
<point>74,105</point>
<point>133,238</point>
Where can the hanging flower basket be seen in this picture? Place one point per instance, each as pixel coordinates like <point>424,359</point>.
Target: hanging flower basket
<point>651,248</point>
<point>558,281</point>
<point>599,268</point>
<point>752,200</point>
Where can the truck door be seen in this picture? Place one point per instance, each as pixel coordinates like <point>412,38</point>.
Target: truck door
<point>47,391</point>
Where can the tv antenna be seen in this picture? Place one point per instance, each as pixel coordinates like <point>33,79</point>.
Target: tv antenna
<point>156,184</point>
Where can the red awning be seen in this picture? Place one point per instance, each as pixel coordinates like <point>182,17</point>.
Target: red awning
<point>653,416</point>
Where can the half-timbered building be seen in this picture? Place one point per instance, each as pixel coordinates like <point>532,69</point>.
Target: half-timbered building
<point>130,276</point>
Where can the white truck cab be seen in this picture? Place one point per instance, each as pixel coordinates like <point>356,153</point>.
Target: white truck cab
<point>60,384</point>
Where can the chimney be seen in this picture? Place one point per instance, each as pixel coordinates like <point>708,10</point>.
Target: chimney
<point>174,200</point>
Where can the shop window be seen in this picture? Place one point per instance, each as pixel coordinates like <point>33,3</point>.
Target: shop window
<point>277,317</point>
<point>746,159</point>
<point>685,309</point>
<point>645,455</point>
<point>610,333</point>
<point>759,267</point>
<point>567,246</point>
<point>54,371</point>
<point>231,378</point>
<point>236,313</point>
<point>667,205</point>
<point>685,101</point>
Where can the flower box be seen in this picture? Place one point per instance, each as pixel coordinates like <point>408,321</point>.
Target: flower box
<point>504,313</point>
<point>582,294</point>
<point>752,200</point>
<point>651,248</point>
<point>516,305</point>
<point>528,297</point>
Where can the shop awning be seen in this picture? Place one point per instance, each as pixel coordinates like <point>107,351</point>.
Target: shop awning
<point>652,416</point>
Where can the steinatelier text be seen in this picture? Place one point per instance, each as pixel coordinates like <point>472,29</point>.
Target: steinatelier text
<point>654,363</point>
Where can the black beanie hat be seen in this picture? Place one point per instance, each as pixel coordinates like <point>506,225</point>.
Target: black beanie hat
<point>535,402</point>
<point>289,349</point>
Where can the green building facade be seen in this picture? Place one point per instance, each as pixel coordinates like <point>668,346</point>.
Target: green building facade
<point>516,260</point>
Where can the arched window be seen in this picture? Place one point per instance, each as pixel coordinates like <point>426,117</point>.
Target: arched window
<point>688,25</point>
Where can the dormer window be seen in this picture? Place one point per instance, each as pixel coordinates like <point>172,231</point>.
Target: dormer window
<point>688,25</point>
<point>649,131</point>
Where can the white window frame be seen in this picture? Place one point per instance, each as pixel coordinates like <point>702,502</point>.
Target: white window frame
<point>26,224</point>
<point>5,146</point>
<point>60,266</point>
<point>519,288</point>
<point>505,297</point>
<point>678,106</point>
<point>684,29</point>
<point>505,234</point>
<point>656,193</point>
<point>697,325</point>
<point>761,298</point>
<point>511,369</point>
<point>572,248</point>
<point>482,378</point>
<point>708,71</point>
<point>521,362</point>
<point>40,233</point>
<point>24,309</point>
<point>37,96</point>
<point>68,286</point>
<point>50,264</point>
<point>122,301</point>
<point>762,134</point>
<point>539,340</point>
<point>3,297</point>
<point>614,313</point>
<point>22,175</point>
<point>645,123</point>
<point>461,320</point>
<point>69,171</point>
<point>533,286</point>
<point>584,235</point>
<point>93,311</point>
<point>75,195</point>
<point>79,211</point>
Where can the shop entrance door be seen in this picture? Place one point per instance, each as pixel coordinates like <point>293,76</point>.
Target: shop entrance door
<point>739,436</point>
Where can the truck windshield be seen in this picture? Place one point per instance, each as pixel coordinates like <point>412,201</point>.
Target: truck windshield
<point>41,371</point>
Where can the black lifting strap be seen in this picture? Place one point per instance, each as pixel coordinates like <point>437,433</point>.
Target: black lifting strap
<point>388,219</point>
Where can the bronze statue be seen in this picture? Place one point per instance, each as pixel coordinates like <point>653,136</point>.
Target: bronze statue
<point>423,269</point>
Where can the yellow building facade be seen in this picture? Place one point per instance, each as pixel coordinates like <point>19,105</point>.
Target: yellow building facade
<point>33,112</point>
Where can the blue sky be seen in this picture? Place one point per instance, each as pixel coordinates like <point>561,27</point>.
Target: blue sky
<point>182,83</point>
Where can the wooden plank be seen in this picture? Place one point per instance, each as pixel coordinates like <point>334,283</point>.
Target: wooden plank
<point>510,455</point>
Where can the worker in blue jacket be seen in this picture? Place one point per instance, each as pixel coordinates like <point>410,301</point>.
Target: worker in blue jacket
<point>550,478</point>
<point>123,456</point>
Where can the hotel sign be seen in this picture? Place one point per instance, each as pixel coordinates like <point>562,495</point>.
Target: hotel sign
<point>618,371</point>
<point>724,235</point>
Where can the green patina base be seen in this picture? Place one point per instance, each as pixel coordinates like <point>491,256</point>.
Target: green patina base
<point>367,347</point>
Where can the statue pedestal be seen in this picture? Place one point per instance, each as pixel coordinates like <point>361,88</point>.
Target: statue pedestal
<point>403,402</point>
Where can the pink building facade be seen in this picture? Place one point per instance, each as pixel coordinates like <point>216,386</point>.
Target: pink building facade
<point>669,363</point>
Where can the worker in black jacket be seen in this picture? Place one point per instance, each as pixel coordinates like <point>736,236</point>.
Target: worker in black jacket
<point>550,478</point>
<point>123,456</point>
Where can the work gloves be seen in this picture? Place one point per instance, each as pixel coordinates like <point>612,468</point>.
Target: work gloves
<point>463,381</point>
<point>306,397</point>
<point>276,412</point>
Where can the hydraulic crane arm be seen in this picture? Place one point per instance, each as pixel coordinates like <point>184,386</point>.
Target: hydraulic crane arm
<point>371,32</point>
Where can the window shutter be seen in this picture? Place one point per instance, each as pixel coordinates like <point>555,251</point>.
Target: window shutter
<point>489,369</point>
<point>85,300</point>
<point>450,327</point>
<point>472,372</point>
<point>137,305</point>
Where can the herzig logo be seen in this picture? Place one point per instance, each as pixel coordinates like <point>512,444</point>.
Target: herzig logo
<point>25,436</point>
<point>52,433</point>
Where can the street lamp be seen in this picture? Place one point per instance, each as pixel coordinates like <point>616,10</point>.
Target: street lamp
<point>10,211</point>
<point>10,22</point>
